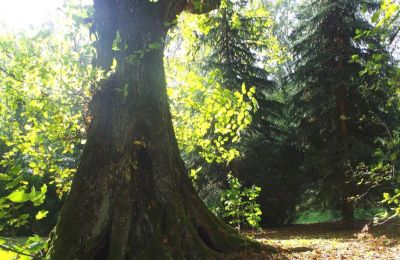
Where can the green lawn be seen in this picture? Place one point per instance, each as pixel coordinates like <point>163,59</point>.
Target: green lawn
<point>310,217</point>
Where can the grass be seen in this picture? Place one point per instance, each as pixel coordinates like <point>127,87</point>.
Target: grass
<point>317,217</point>
<point>310,217</point>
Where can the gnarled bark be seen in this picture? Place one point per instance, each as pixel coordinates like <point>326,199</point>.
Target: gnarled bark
<point>131,197</point>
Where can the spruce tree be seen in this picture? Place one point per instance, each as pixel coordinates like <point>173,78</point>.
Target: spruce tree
<point>338,107</point>
<point>245,51</point>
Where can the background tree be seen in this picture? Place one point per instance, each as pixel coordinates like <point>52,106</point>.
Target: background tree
<point>237,44</point>
<point>337,105</point>
<point>382,174</point>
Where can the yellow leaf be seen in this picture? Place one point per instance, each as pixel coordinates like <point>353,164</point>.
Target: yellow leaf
<point>41,214</point>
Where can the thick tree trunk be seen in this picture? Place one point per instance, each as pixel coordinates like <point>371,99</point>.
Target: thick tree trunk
<point>131,197</point>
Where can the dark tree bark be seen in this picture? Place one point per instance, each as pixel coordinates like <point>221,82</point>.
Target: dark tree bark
<point>131,197</point>
<point>343,107</point>
<point>347,188</point>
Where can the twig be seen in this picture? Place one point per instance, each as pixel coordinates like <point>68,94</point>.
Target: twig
<point>386,220</point>
<point>20,253</point>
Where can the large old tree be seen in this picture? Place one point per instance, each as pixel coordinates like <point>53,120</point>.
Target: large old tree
<point>131,197</point>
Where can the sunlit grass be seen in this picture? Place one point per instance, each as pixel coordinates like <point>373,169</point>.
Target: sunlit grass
<point>309,217</point>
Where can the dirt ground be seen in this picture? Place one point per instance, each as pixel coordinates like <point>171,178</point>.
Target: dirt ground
<point>328,241</point>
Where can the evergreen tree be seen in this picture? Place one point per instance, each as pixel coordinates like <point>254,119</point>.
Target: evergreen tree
<point>338,108</point>
<point>239,39</point>
<point>245,51</point>
<point>242,45</point>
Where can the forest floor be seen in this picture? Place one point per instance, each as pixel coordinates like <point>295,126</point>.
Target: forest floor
<point>329,241</point>
<point>324,241</point>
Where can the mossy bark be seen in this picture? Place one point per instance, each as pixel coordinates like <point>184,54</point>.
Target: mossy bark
<point>131,197</point>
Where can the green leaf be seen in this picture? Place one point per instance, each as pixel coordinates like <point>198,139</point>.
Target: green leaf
<point>19,196</point>
<point>41,214</point>
<point>375,17</point>
<point>4,177</point>
<point>38,197</point>
<point>32,165</point>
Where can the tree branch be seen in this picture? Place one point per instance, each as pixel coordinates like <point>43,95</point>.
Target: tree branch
<point>6,248</point>
<point>201,6</point>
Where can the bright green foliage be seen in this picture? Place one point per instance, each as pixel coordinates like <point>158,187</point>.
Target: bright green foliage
<point>393,200</point>
<point>203,109</point>
<point>26,249</point>
<point>45,78</point>
<point>387,18</point>
<point>37,198</point>
<point>245,49</point>
<point>386,170</point>
<point>383,174</point>
<point>211,112</point>
<point>240,45</point>
<point>239,204</point>
<point>226,49</point>
<point>208,118</point>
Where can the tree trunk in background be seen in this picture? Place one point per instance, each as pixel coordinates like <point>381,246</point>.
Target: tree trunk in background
<point>343,106</point>
<point>131,197</point>
<point>347,203</point>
